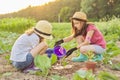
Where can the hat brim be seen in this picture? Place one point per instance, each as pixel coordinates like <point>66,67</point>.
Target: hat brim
<point>44,36</point>
<point>78,19</point>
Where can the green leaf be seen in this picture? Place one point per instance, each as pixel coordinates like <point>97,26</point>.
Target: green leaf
<point>77,77</point>
<point>7,74</point>
<point>116,66</point>
<point>57,77</point>
<point>53,59</point>
<point>82,73</point>
<point>43,62</point>
<point>107,76</point>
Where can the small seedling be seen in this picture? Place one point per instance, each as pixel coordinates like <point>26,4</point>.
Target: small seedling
<point>90,55</point>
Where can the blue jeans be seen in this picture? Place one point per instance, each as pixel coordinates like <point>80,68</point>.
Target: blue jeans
<point>99,49</point>
<point>25,64</point>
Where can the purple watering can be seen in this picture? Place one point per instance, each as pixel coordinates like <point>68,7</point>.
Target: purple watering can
<point>59,51</point>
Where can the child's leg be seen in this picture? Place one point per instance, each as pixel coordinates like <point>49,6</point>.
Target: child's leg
<point>87,48</point>
<point>39,49</point>
<point>98,50</point>
<point>94,48</point>
<point>25,64</point>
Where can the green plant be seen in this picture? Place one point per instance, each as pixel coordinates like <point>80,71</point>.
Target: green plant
<point>89,55</point>
<point>53,59</point>
<point>14,24</point>
<point>44,63</point>
<point>90,64</point>
<point>106,76</point>
<point>116,66</point>
<point>84,75</point>
<point>7,57</point>
<point>6,41</point>
<point>57,77</point>
<point>111,51</point>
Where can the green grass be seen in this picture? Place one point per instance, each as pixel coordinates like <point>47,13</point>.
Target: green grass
<point>18,25</point>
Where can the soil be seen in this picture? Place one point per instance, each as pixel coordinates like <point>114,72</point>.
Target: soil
<point>8,72</point>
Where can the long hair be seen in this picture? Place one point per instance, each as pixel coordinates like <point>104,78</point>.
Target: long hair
<point>77,32</point>
<point>31,31</point>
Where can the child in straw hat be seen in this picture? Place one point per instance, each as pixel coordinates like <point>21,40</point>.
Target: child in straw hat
<point>30,44</point>
<point>88,37</point>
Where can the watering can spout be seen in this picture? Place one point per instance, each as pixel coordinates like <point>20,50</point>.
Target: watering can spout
<point>49,52</point>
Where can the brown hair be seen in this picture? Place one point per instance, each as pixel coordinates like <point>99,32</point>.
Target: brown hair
<point>79,32</point>
<point>30,31</point>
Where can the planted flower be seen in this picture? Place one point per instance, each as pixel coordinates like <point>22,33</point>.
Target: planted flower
<point>90,65</point>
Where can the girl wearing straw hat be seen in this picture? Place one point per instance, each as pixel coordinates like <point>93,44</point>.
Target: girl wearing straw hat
<point>30,44</point>
<point>88,37</point>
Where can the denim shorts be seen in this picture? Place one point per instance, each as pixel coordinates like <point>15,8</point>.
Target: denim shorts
<point>99,49</point>
<point>22,65</point>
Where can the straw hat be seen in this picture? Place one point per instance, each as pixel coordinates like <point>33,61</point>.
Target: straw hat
<point>80,16</point>
<point>44,29</point>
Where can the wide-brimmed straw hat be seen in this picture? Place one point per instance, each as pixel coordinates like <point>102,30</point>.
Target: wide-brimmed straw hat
<point>44,29</point>
<point>80,16</point>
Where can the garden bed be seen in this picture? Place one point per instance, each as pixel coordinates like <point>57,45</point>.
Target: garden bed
<point>8,72</point>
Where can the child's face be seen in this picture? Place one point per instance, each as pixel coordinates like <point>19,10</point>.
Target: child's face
<point>78,24</point>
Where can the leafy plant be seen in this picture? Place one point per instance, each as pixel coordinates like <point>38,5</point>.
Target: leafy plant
<point>106,76</point>
<point>89,55</point>
<point>116,66</point>
<point>57,77</point>
<point>7,74</point>
<point>53,59</point>
<point>7,57</point>
<point>6,41</point>
<point>111,51</point>
<point>84,75</point>
<point>63,61</point>
<point>14,24</point>
<point>44,63</point>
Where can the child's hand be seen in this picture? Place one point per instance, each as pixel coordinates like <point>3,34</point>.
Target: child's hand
<point>69,52</point>
<point>58,42</point>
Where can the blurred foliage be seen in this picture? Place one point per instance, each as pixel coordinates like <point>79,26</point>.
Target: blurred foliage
<point>97,9</point>
<point>107,76</point>
<point>17,25</point>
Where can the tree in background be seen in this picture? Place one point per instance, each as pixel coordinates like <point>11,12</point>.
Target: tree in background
<point>94,8</point>
<point>64,14</point>
<point>100,8</point>
<point>64,9</point>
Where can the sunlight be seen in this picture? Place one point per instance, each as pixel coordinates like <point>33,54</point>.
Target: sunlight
<point>40,2</point>
<point>7,6</point>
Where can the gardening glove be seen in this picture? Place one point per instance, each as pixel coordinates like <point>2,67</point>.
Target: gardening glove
<point>69,52</point>
<point>58,42</point>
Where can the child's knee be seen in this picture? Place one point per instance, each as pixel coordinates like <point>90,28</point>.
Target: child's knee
<point>82,50</point>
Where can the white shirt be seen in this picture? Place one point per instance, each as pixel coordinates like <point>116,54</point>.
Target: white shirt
<point>23,46</point>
